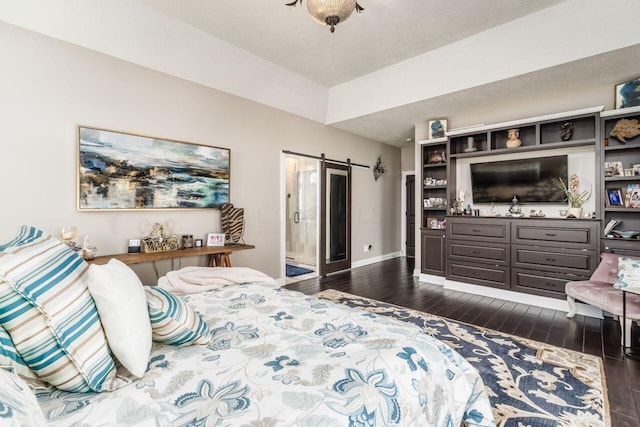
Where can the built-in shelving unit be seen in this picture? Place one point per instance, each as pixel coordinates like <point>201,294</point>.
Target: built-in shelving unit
<point>435,202</point>
<point>626,154</point>
<point>536,134</point>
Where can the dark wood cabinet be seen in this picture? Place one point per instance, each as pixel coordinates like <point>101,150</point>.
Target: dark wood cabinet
<point>433,251</point>
<point>536,256</point>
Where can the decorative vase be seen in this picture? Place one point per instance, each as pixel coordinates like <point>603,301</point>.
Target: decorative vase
<point>574,213</point>
<point>471,147</point>
<point>513,140</point>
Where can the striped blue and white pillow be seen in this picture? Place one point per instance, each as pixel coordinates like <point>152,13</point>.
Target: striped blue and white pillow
<point>173,321</point>
<point>46,307</point>
<point>9,356</point>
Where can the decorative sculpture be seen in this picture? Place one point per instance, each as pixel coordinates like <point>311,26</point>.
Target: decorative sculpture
<point>625,128</point>
<point>232,221</point>
<point>379,169</point>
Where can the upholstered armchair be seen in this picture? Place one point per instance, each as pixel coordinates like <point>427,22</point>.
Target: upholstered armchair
<point>599,292</point>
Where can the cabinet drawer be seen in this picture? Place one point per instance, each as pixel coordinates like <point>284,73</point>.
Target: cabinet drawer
<point>563,234</point>
<point>567,261</point>
<point>465,251</point>
<point>478,230</point>
<point>495,276</point>
<point>541,283</point>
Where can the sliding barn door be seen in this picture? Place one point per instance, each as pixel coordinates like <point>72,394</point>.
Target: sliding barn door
<point>335,226</point>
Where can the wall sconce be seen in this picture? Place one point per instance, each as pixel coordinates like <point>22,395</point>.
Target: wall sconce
<point>378,168</point>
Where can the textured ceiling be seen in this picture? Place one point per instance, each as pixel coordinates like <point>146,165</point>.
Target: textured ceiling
<point>389,32</point>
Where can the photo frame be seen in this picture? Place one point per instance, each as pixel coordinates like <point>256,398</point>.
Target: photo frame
<point>627,94</point>
<point>613,197</point>
<point>632,199</point>
<point>613,169</point>
<point>125,171</point>
<point>215,239</point>
<point>437,128</point>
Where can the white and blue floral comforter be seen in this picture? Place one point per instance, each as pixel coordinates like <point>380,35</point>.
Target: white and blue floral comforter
<point>282,358</point>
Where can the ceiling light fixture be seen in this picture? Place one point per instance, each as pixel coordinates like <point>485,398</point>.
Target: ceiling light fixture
<point>330,12</point>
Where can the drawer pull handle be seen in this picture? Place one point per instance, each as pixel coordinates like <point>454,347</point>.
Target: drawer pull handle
<point>476,252</point>
<point>551,285</point>
<point>551,259</point>
<point>475,230</point>
<point>550,234</point>
<point>475,273</point>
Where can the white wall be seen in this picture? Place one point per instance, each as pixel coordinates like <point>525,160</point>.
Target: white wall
<point>49,87</point>
<point>580,161</point>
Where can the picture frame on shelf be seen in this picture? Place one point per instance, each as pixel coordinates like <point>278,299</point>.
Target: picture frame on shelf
<point>613,197</point>
<point>433,223</point>
<point>613,169</point>
<point>437,128</point>
<point>633,196</point>
<point>627,94</point>
<point>215,239</point>
<point>636,169</point>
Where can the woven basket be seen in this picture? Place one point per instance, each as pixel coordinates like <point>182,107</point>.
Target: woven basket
<point>157,245</point>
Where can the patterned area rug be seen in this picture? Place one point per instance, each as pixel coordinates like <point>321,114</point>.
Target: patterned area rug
<point>529,383</point>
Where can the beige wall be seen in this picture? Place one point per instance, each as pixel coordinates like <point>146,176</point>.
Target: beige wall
<point>49,87</point>
<point>407,158</point>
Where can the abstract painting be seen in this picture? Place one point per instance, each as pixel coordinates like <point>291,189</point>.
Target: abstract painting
<point>122,171</point>
<point>628,94</point>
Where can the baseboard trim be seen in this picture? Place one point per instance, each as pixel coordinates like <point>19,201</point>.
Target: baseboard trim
<point>536,300</point>
<point>430,278</point>
<point>373,260</point>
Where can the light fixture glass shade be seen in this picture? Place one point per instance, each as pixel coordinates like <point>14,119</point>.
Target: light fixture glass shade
<point>322,9</point>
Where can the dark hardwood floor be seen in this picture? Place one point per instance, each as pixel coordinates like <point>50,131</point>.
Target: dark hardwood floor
<point>392,281</point>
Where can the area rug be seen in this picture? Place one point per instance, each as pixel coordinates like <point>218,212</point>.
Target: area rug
<point>529,383</point>
<point>294,270</point>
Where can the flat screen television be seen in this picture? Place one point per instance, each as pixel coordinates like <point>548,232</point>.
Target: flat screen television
<point>531,180</point>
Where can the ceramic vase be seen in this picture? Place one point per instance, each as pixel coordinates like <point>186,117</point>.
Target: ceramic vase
<point>574,213</point>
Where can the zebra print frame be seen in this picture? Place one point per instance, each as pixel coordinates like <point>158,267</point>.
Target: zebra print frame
<point>232,220</point>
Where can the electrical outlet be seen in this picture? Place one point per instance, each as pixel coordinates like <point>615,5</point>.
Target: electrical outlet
<point>366,248</point>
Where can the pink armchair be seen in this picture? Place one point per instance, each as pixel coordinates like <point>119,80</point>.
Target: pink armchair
<point>599,292</point>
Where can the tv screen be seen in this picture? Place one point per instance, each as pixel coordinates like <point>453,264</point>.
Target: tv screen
<point>531,180</point>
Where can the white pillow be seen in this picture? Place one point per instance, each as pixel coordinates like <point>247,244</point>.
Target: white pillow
<point>122,306</point>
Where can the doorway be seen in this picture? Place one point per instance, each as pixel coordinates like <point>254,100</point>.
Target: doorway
<point>410,215</point>
<point>302,184</point>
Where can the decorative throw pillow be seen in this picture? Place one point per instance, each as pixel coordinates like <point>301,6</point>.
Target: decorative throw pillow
<point>46,307</point>
<point>18,404</point>
<point>628,275</point>
<point>122,305</point>
<point>173,321</point>
<point>9,357</point>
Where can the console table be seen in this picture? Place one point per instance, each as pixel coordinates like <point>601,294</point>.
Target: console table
<point>218,255</point>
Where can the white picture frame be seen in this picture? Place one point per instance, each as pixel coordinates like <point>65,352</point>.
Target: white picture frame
<point>215,239</point>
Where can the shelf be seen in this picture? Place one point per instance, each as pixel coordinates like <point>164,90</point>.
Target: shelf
<point>539,147</point>
<point>434,165</point>
<point>622,178</point>
<point>435,187</point>
<point>443,208</point>
<point>622,209</point>
<point>627,146</point>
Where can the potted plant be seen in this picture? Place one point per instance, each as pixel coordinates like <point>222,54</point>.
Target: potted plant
<point>574,196</point>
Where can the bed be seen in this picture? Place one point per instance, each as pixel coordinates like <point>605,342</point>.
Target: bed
<point>275,357</point>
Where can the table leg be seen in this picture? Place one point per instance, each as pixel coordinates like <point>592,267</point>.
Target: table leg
<point>630,354</point>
